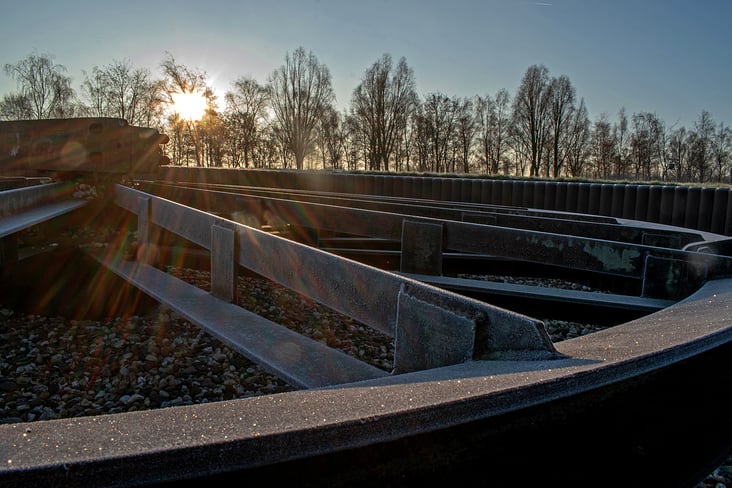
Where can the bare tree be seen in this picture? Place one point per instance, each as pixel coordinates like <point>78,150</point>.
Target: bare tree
<point>300,92</point>
<point>404,150</point>
<point>640,147</point>
<point>271,152</point>
<point>380,107</point>
<point>438,129</point>
<point>520,153</point>
<point>603,147</point>
<point>245,111</point>
<point>678,151</point>
<point>721,150</point>
<point>530,114</point>
<point>119,90</point>
<point>700,145</point>
<point>213,136</point>
<point>560,98</point>
<point>352,147</point>
<point>466,128</point>
<point>494,127</point>
<point>356,143</point>
<point>578,140</point>
<point>94,93</point>
<point>621,140</point>
<point>647,145</point>
<point>44,91</point>
<point>330,139</point>
<point>659,141</point>
<point>485,114</point>
<point>15,107</point>
<point>422,138</point>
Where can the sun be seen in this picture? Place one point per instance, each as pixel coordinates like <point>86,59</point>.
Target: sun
<point>189,105</point>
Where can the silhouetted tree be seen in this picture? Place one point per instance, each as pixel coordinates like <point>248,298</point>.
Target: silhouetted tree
<point>721,151</point>
<point>494,126</point>
<point>44,91</point>
<point>300,92</point>
<point>560,98</point>
<point>530,106</point>
<point>330,139</point>
<point>621,140</point>
<point>119,90</point>
<point>678,151</point>
<point>701,145</point>
<point>15,107</point>
<point>421,136</point>
<point>602,147</point>
<point>578,141</point>
<point>213,136</point>
<point>659,140</point>
<point>438,119</point>
<point>466,128</point>
<point>647,144</point>
<point>380,106</point>
<point>245,111</point>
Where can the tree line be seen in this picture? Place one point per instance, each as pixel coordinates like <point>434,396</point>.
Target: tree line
<point>543,129</point>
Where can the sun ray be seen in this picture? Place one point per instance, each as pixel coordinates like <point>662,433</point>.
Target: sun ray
<point>189,105</point>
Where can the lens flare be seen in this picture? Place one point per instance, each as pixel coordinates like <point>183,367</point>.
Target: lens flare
<point>189,105</point>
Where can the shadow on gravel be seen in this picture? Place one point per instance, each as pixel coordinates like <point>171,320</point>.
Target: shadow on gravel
<point>66,282</point>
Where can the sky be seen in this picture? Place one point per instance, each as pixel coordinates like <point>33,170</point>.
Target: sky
<point>673,58</point>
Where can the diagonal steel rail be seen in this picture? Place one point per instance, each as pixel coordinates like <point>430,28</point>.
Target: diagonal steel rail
<point>21,208</point>
<point>431,327</point>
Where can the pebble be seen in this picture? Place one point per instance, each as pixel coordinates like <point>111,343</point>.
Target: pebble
<point>97,367</point>
<point>72,368</point>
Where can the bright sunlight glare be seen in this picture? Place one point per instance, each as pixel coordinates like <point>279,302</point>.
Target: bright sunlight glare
<point>189,105</point>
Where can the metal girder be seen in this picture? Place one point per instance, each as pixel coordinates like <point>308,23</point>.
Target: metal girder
<point>580,225</point>
<point>302,362</point>
<point>625,259</point>
<point>397,306</point>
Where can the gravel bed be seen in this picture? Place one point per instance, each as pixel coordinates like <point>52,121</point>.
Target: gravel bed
<point>299,313</point>
<point>53,368</point>
<point>558,330</point>
<point>531,281</point>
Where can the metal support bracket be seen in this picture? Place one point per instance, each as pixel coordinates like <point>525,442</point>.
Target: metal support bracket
<point>421,248</point>
<point>145,246</point>
<point>224,263</point>
<point>672,279</point>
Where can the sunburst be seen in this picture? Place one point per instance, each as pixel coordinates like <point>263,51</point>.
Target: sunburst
<point>189,105</point>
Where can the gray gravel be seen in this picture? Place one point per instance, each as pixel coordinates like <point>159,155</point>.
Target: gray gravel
<point>57,368</point>
<point>53,367</point>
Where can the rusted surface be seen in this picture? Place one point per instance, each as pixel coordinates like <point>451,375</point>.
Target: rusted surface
<point>94,144</point>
